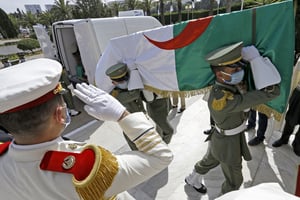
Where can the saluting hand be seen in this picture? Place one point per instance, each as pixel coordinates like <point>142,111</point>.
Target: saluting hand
<point>100,104</point>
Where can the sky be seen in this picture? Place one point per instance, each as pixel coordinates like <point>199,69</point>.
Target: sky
<point>10,6</point>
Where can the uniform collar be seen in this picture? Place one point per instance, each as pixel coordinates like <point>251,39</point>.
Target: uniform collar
<point>27,153</point>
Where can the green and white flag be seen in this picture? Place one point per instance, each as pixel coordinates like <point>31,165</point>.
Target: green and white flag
<point>171,58</point>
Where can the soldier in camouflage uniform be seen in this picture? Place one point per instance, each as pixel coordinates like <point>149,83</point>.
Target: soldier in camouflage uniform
<point>227,104</point>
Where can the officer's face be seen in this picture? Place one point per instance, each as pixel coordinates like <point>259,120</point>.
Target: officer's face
<point>227,71</point>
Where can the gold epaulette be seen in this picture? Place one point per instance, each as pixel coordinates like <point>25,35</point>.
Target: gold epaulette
<point>100,178</point>
<point>219,104</point>
<point>93,169</point>
<point>114,93</point>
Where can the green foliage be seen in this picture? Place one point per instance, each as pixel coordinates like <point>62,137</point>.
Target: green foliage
<point>32,36</point>
<point>28,44</point>
<point>188,14</point>
<point>89,9</point>
<point>13,57</point>
<point>7,29</point>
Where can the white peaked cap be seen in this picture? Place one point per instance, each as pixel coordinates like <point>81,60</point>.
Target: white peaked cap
<point>29,84</point>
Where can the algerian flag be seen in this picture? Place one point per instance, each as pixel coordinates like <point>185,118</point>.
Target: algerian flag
<point>172,58</point>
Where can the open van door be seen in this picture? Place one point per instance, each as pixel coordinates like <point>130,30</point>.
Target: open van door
<point>89,48</point>
<point>47,46</point>
<point>91,37</point>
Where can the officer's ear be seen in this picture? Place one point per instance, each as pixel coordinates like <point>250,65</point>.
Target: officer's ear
<point>60,114</point>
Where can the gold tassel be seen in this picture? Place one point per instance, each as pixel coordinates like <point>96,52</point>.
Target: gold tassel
<point>166,93</point>
<point>100,179</point>
<point>269,112</point>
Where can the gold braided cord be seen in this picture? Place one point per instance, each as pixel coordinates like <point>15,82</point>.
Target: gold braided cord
<point>100,179</point>
<point>269,112</point>
<point>119,76</point>
<point>151,145</point>
<point>261,108</point>
<point>149,141</point>
<point>166,93</point>
<point>231,61</point>
<point>142,139</point>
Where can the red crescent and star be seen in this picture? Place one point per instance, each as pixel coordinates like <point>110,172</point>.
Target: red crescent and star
<point>190,33</point>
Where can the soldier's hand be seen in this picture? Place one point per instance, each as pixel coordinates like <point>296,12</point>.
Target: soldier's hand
<point>100,104</point>
<point>249,53</point>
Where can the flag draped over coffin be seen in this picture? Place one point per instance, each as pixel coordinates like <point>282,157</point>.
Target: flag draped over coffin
<point>171,58</point>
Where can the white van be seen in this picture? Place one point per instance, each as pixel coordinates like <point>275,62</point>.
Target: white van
<point>91,36</point>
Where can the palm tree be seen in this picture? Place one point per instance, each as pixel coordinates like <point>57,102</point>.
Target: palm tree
<point>46,18</point>
<point>29,19</point>
<point>61,9</point>
<point>89,8</point>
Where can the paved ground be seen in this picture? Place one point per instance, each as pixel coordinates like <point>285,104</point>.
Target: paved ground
<point>268,164</point>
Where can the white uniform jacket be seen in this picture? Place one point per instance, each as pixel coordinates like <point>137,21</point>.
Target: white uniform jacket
<point>22,177</point>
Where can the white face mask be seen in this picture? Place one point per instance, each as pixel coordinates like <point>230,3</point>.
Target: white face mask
<point>236,77</point>
<point>123,85</point>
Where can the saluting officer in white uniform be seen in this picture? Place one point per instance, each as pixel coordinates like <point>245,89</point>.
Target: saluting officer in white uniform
<point>39,164</point>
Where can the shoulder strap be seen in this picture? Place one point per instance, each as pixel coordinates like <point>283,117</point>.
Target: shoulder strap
<point>93,169</point>
<point>4,147</point>
<point>78,164</point>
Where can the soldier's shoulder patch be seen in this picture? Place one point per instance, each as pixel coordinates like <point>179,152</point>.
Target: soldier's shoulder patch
<point>220,101</point>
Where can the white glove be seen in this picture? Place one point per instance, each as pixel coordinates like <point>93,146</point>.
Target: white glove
<point>264,73</point>
<point>100,104</point>
<point>261,67</point>
<point>249,53</point>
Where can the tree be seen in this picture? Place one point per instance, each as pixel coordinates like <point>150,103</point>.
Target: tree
<point>162,12</point>
<point>89,9</point>
<point>179,6</point>
<point>130,4</point>
<point>61,10</point>
<point>46,18</point>
<point>29,19</point>
<point>115,7</point>
<point>7,28</point>
<point>211,7</point>
<point>228,5</point>
<point>146,6</point>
